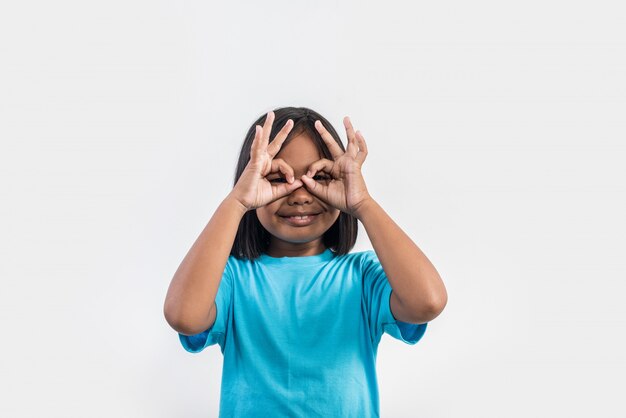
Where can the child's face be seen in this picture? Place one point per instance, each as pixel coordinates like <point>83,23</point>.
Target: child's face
<point>297,237</point>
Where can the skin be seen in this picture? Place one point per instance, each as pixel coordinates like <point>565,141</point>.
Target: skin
<point>297,241</point>
<point>295,178</point>
<point>418,295</point>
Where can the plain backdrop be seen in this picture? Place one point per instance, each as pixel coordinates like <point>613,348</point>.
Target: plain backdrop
<point>496,135</point>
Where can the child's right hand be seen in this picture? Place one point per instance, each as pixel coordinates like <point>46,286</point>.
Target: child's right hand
<point>253,190</point>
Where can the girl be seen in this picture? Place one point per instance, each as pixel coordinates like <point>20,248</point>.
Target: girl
<point>270,278</point>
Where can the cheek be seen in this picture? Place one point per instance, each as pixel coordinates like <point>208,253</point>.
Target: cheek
<point>331,218</point>
<point>335,214</point>
<point>262,215</point>
<point>265,214</point>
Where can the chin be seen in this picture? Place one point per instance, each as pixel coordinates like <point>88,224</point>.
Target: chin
<point>296,238</point>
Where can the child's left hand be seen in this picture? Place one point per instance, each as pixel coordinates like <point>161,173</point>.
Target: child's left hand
<point>346,189</point>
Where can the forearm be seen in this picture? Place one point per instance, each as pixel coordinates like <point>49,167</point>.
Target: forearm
<point>192,291</point>
<point>413,278</point>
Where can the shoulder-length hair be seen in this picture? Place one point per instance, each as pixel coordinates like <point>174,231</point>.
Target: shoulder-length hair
<point>252,239</point>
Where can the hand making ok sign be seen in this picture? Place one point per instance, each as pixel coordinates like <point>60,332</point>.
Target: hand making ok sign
<point>346,190</point>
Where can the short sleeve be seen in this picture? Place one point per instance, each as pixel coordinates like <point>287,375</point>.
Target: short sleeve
<point>376,295</point>
<point>216,334</point>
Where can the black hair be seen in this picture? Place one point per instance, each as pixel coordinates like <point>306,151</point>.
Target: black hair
<point>252,239</point>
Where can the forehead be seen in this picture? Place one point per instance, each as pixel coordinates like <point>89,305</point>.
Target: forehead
<point>300,152</point>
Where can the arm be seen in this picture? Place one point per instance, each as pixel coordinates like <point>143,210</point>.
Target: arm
<point>190,302</point>
<point>419,294</point>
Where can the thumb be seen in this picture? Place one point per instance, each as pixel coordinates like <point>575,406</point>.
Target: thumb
<point>312,186</point>
<point>284,189</point>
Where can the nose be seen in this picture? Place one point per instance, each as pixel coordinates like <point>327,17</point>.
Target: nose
<point>300,196</point>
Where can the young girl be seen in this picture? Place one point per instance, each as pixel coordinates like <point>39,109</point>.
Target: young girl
<point>270,278</point>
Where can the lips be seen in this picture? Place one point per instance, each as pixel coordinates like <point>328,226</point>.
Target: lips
<point>299,214</point>
<point>300,220</point>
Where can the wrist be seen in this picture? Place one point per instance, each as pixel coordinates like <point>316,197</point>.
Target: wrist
<point>363,207</point>
<point>235,204</point>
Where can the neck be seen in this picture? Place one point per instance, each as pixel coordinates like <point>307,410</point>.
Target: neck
<point>279,248</point>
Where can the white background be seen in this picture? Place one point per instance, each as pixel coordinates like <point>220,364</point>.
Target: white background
<point>496,135</point>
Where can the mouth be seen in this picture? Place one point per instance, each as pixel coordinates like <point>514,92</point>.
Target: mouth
<point>300,220</point>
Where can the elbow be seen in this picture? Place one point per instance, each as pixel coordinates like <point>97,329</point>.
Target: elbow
<point>173,320</point>
<point>429,311</point>
<point>423,316</point>
<point>437,305</point>
<point>182,326</point>
<point>440,305</point>
<point>186,326</point>
<point>440,302</point>
<point>436,309</point>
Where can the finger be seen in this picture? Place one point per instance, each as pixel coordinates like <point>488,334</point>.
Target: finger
<point>333,146</point>
<point>256,147</point>
<point>316,189</point>
<point>323,164</point>
<point>280,137</point>
<point>267,127</point>
<point>283,189</point>
<point>278,164</point>
<point>352,146</point>
<point>360,157</point>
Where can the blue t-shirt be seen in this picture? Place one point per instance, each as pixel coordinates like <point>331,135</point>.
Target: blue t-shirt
<point>299,335</point>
